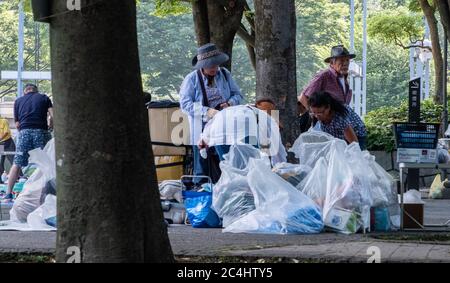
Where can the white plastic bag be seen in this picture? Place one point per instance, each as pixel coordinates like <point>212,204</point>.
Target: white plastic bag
<point>171,189</point>
<point>40,217</point>
<point>412,196</point>
<point>29,199</point>
<point>280,207</point>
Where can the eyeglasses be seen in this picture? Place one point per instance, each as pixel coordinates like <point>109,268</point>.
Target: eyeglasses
<point>320,113</point>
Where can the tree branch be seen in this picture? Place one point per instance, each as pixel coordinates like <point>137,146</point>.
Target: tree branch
<point>398,42</point>
<point>243,33</point>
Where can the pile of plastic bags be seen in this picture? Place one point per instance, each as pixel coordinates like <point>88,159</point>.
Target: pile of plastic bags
<point>252,199</point>
<point>345,182</point>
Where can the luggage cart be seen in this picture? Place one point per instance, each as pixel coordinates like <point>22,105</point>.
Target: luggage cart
<point>195,182</point>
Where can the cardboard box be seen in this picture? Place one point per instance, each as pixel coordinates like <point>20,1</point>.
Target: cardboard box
<point>413,211</point>
<point>413,155</point>
<point>172,172</point>
<point>168,125</point>
<point>342,220</point>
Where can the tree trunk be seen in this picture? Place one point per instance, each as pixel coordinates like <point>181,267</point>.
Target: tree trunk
<point>217,21</point>
<point>275,58</point>
<point>436,48</point>
<point>201,23</point>
<point>444,11</point>
<point>108,199</point>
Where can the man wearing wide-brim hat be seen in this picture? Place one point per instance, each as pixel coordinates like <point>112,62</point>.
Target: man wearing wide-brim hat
<point>205,91</point>
<point>332,80</point>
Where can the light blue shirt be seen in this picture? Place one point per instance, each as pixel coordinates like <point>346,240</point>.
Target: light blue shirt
<point>191,98</point>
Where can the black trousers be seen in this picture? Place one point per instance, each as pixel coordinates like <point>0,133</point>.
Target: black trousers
<point>9,145</point>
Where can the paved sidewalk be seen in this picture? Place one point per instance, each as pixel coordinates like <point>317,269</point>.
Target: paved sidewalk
<point>328,247</point>
<point>189,242</point>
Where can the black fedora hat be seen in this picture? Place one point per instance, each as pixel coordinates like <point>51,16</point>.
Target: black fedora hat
<point>208,55</point>
<point>339,51</point>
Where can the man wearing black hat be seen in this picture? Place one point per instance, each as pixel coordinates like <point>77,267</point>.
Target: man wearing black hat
<point>204,92</point>
<point>332,80</point>
<point>30,115</point>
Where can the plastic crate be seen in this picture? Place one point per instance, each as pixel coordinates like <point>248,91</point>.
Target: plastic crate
<point>416,135</point>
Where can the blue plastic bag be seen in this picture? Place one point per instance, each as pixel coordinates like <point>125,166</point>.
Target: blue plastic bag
<point>382,220</point>
<point>199,211</point>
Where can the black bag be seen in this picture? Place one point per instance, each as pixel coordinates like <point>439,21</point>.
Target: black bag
<point>213,159</point>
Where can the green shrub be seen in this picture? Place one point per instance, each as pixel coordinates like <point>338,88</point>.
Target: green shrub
<point>379,122</point>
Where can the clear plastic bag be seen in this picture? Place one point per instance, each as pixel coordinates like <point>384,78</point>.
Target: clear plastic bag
<point>293,173</point>
<point>315,185</point>
<point>280,207</point>
<point>312,145</point>
<point>239,156</point>
<point>232,197</point>
<point>347,194</point>
<point>363,170</point>
<point>387,184</point>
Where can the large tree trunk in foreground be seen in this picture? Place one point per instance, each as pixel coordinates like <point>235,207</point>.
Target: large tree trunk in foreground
<point>275,59</point>
<point>108,200</point>
<point>436,49</point>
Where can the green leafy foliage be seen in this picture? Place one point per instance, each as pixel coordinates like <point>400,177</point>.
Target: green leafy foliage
<point>398,27</point>
<point>167,44</point>
<point>165,8</point>
<point>387,75</point>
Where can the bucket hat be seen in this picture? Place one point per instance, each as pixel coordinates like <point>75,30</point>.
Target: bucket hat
<point>207,56</point>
